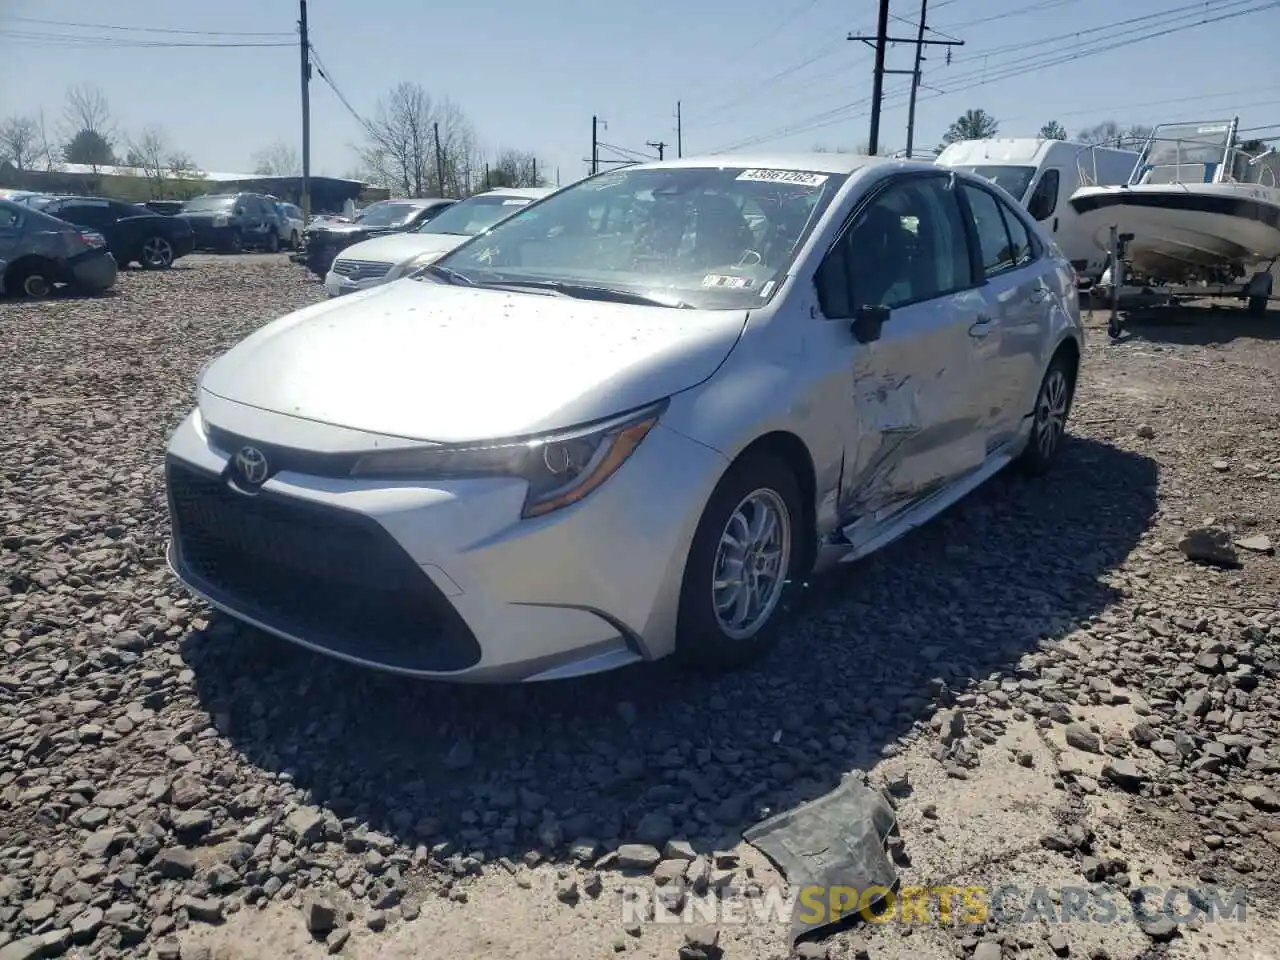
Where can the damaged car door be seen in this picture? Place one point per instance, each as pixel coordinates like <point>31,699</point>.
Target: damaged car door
<point>901,274</point>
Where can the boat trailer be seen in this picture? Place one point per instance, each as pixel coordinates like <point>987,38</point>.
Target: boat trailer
<point>1124,290</point>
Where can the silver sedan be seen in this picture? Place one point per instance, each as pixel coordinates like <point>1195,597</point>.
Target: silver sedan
<point>618,424</point>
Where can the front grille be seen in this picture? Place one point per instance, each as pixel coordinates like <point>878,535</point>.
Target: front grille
<point>361,269</point>
<point>331,577</point>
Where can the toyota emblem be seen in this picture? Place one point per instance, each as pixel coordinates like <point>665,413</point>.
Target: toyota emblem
<point>252,465</point>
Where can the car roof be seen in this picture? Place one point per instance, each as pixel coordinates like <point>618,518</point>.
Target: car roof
<point>814,162</point>
<point>532,193</point>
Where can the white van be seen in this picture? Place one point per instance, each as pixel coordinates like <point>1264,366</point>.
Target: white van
<point>1042,175</point>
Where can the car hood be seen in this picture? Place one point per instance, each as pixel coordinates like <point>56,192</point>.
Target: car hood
<point>399,247</point>
<point>429,361</point>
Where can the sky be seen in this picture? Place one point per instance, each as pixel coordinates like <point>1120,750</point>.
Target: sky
<point>766,74</point>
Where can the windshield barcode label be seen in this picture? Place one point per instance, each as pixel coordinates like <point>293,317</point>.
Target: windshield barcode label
<point>803,177</point>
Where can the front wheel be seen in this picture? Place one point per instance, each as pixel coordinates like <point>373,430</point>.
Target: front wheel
<point>1053,407</point>
<point>743,553</point>
<point>273,242</point>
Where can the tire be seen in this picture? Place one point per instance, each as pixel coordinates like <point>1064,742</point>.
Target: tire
<point>1053,407</point>
<point>273,242</point>
<point>703,637</point>
<point>156,253</point>
<point>33,280</point>
<point>1257,306</point>
<point>294,241</point>
<point>235,243</point>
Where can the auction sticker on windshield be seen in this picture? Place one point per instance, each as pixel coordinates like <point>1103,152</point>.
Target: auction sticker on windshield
<point>803,177</point>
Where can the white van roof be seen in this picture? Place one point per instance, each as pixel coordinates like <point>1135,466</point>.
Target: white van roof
<point>1018,150</point>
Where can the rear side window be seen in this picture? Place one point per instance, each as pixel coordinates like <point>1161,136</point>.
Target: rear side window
<point>996,251</point>
<point>1019,237</point>
<point>9,218</point>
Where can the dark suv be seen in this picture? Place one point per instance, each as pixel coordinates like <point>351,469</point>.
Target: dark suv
<point>233,221</point>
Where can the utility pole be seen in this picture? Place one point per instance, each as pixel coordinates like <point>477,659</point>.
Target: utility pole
<point>596,123</point>
<point>915,80</point>
<point>435,127</point>
<point>486,175</point>
<point>877,83</point>
<point>881,42</point>
<point>306,111</point>
<point>658,145</point>
<point>535,172</point>
<point>679,132</point>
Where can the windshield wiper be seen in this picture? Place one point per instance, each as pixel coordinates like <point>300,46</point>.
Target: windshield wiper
<point>448,274</point>
<point>588,291</point>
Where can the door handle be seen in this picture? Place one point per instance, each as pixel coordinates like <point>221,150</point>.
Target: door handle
<point>982,327</point>
<point>1055,224</point>
<point>1038,294</point>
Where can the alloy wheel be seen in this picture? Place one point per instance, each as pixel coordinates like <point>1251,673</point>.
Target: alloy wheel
<point>1051,412</point>
<point>750,569</point>
<point>157,252</point>
<point>37,285</point>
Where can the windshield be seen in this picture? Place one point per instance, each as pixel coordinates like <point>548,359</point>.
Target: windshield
<point>1177,143</point>
<point>204,204</point>
<point>1013,179</point>
<point>473,215</point>
<point>386,213</point>
<point>714,238</point>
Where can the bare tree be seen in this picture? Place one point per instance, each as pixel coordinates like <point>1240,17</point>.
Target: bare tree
<point>400,151</point>
<point>19,142</point>
<point>149,153</point>
<point>861,149</point>
<point>514,168</point>
<point>278,160</point>
<point>45,149</point>
<point>87,109</point>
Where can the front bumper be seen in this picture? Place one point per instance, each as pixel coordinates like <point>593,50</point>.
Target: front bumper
<point>444,579</point>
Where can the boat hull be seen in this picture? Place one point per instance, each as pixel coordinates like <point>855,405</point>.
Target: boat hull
<point>1183,231</point>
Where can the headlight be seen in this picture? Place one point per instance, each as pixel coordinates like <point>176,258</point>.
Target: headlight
<point>200,376</point>
<point>424,260</point>
<point>560,468</point>
<point>221,220</point>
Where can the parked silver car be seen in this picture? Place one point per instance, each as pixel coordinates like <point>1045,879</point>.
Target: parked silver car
<point>38,251</point>
<point>617,424</point>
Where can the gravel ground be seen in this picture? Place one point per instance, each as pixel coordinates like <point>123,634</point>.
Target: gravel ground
<point>1052,691</point>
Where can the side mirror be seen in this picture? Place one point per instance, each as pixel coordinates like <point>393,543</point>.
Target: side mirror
<point>868,322</point>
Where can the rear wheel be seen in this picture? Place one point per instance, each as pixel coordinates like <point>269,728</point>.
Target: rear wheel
<point>235,242</point>
<point>742,555</point>
<point>156,254</point>
<point>273,242</point>
<point>1257,306</point>
<point>34,279</point>
<point>1053,407</point>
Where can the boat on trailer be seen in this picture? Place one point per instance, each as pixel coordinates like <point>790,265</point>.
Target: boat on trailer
<point>1197,209</point>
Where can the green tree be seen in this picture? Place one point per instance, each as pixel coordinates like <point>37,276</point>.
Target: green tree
<point>971,125</point>
<point>1053,130</point>
<point>89,147</point>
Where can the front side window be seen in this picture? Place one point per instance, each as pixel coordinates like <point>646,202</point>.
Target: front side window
<point>906,246</point>
<point>1045,199</point>
<point>1015,179</point>
<point>9,219</point>
<point>707,237</point>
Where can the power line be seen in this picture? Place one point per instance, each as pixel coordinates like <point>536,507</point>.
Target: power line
<point>1074,36</point>
<point>1093,111</point>
<point>35,38</point>
<point>1046,60</point>
<point>112,26</point>
<point>796,95</point>
<point>324,75</point>
<point>1023,66</point>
